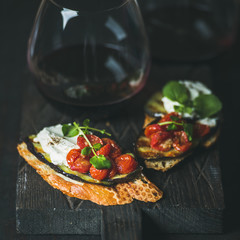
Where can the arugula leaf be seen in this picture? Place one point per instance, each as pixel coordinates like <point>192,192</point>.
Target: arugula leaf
<point>97,146</point>
<point>86,151</point>
<point>207,105</point>
<point>188,129</point>
<point>176,91</point>
<point>100,162</point>
<point>69,130</point>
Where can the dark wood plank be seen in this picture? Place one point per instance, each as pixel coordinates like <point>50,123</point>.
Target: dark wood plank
<point>193,197</point>
<point>121,222</point>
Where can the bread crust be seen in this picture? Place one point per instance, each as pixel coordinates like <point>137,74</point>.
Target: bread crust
<point>140,188</point>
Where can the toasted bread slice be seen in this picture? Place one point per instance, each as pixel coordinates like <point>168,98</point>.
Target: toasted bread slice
<point>140,188</point>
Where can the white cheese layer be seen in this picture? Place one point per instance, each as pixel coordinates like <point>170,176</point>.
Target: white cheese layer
<point>194,88</point>
<point>211,122</point>
<point>55,144</point>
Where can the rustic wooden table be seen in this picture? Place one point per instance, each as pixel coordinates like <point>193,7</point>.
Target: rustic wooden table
<point>224,73</point>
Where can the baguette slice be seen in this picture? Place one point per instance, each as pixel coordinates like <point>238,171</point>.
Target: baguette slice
<point>140,188</point>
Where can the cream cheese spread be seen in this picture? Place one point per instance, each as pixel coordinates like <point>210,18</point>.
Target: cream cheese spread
<point>194,88</point>
<point>55,144</point>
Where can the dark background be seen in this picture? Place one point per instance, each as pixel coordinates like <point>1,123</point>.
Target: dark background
<point>15,26</point>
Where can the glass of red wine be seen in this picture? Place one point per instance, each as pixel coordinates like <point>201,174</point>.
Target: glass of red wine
<point>89,53</point>
<point>190,30</point>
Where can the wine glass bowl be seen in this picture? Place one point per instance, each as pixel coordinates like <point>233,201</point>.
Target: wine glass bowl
<point>190,30</point>
<point>87,54</point>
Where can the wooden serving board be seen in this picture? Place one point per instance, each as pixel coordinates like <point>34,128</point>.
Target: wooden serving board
<point>193,196</point>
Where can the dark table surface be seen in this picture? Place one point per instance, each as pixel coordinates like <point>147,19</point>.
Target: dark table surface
<point>15,26</point>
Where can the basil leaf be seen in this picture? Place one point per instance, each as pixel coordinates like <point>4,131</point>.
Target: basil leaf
<point>188,129</point>
<point>86,151</point>
<point>100,162</point>
<point>86,122</point>
<point>69,130</point>
<point>171,126</point>
<point>183,109</point>
<point>176,91</point>
<point>97,146</point>
<point>207,105</point>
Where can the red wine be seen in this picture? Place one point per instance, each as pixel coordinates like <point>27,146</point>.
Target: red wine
<point>188,33</point>
<point>85,76</point>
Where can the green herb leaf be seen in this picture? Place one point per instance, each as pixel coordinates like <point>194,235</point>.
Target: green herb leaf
<point>86,122</point>
<point>174,118</point>
<point>171,126</point>
<point>69,130</point>
<point>85,131</point>
<point>100,162</point>
<point>207,105</point>
<point>188,129</point>
<point>86,151</point>
<point>183,109</point>
<point>97,146</point>
<point>176,91</point>
<point>103,131</point>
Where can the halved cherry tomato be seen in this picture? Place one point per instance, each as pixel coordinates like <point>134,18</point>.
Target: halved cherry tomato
<point>126,163</point>
<point>161,141</point>
<point>181,142</point>
<point>168,117</point>
<point>105,150</point>
<point>150,129</point>
<point>113,170</point>
<point>98,174</point>
<point>200,130</point>
<point>72,156</point>
<point>81,164</point>
<point>115,149</point>
<point>93,139</point>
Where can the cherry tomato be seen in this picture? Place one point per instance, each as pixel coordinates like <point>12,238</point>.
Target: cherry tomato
<point>150,129</point>
<point>81,165</point>
<point>167,118</point>
<point>115,149</point>
<point>161,141</point>
<point>113,170</point>
<point>105,150</point>
<point>200,130</point>
<point>73,155</point>
<point>181,142</point>
<point>125,163</point>
<point>98,174</point>
<point>93,139</point>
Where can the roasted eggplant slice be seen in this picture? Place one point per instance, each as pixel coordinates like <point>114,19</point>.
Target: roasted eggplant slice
<point>36,149</point>
<point>154,106</point>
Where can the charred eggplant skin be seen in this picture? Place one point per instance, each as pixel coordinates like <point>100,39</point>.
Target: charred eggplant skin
<point>107,182</point>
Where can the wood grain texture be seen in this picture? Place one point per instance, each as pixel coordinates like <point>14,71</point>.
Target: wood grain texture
<point>193,197</point>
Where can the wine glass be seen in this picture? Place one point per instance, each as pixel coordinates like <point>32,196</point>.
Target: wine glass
<point>190,30</point>
<point>89,53</point>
